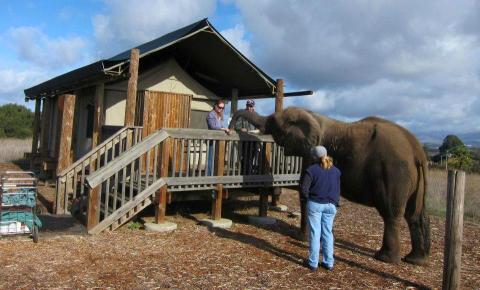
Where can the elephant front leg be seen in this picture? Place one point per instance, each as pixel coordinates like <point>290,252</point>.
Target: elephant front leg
<point>390,251</point>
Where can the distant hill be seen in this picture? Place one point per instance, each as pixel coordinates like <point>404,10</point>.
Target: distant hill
<point>435,139</point>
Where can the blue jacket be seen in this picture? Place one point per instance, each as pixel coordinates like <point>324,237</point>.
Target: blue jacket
<point>213,122</point>
<point>321,185</point>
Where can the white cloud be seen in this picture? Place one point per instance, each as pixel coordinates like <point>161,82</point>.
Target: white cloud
<point>34,46</point>
<point>13,82</point>
<point>417,63</point>
<point>236,36</point>
<point>127,23</point>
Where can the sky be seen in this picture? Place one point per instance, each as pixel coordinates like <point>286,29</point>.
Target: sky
<point>416,63</point>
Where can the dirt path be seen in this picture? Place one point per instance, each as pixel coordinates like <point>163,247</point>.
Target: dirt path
<point>245,256</point>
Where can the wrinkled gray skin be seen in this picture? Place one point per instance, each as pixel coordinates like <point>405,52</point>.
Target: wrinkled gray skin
<point>382,164</point>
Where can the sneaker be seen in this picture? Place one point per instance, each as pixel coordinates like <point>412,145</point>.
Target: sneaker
<point>326,267</point>
<point>311,268</point>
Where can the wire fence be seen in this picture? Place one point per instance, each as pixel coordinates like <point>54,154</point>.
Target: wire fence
<point>437,194</point>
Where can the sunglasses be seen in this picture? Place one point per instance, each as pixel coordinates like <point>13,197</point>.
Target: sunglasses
<point>221,108</point>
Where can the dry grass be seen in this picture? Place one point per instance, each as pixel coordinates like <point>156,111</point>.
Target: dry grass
<point>13,149</point>
<point>437,194</point>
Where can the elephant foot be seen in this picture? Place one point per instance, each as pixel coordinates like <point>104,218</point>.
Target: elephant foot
<point>416,259</point>
<point>387,258</point>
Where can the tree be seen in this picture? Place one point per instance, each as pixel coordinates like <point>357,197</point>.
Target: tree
<point>450,142</point>
<point>16,121</point>
<point>461,158</point>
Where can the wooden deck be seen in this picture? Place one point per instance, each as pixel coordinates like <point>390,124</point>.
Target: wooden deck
<point>174,161</point>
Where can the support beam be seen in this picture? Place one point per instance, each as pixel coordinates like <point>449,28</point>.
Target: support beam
<point>161,208</point>
<point>279,96</point>
<point>36,129</point>
<point>45,130</point>
<point>98,115</point>
<point>66,131</point>
<point>219,168</point>
<point>132,88</point>
<point>234,103</point>
<point>263,206</point>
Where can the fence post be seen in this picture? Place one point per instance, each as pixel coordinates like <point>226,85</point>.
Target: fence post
<point>453,230</point>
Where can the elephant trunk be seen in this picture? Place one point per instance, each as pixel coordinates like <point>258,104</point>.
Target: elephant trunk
<point>257,120</point>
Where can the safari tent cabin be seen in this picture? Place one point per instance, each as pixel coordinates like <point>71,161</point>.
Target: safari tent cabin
<point>126,132</point>
<point>171,81</point>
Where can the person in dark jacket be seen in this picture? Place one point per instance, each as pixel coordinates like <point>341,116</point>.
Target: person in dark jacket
<point>321,188</point>
<point>244,125</point>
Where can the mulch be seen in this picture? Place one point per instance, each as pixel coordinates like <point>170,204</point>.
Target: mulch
<point>245,256</point>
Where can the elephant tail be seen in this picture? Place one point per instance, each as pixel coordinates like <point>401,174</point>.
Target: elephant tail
<point>424,218</point>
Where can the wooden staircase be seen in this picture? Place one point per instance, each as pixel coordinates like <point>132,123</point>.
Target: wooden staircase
<point>177,160</point>
<point>129,209</point>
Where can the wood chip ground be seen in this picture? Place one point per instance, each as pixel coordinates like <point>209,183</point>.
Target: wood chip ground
<point>242,257</point>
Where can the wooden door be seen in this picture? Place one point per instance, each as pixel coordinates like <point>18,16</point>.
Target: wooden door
<point>166,110</point>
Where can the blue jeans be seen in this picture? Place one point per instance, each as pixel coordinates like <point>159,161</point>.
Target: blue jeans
<point>320,219</point>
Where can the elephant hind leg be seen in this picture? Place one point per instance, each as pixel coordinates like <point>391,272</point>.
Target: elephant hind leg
<point>419,226</point>
<point>418,223</point>
<point>390,251</point>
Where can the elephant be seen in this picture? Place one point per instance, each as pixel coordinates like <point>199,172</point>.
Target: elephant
<point>383,166</point>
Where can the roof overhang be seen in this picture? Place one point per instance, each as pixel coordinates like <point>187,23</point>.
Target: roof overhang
<point>199,48</point>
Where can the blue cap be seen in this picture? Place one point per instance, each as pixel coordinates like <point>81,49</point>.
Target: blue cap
<point>319,151</point>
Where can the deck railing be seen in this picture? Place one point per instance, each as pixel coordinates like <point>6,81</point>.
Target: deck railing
<point>71,181</point>
<point>188,160</point>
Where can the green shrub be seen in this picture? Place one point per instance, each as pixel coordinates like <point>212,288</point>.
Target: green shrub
<point>16,121</point>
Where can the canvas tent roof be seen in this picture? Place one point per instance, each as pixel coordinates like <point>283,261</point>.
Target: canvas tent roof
<point>199,48</point>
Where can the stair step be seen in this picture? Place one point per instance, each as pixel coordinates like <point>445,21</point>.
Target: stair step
<point>129,209</point>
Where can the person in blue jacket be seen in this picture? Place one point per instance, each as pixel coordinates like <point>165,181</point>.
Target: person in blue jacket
<point>321,188</point>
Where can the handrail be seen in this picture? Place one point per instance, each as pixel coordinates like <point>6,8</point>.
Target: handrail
<point>180,159</point>
<point>70,182</point>
<point>97,148</point>
<point>217,135</point>
<point>134,152</point>
<point>129,155</point>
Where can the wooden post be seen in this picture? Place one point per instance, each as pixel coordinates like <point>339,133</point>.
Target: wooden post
<point>263,207</point>
<point>66,132</point>
<point>279,96</point>
<point>234,103</point>
<point>217,201</point>
<point>453,230</point>
<point>98,118</point>
<point>45,130</point>
<point>93,208</point>
<point>132,88</point>
<point>161,209</point>
<point>36,129</point>
<point>278,108</point>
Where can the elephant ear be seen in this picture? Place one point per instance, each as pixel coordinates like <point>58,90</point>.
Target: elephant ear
<point>295,129</point>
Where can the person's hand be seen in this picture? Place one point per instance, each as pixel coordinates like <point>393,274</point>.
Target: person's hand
<point>226,131</point>
<point>243,129</point>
